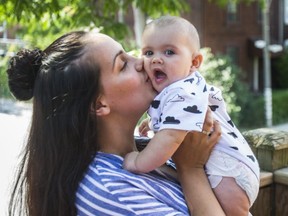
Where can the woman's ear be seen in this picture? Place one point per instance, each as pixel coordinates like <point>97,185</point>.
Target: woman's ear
<point>100,107</point>
<point>197,61</point>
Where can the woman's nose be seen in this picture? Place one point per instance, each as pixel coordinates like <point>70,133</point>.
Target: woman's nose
<point>157,60</point>
<point>139,65</point>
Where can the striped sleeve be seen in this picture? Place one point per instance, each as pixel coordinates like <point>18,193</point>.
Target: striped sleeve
<point>107,189</point>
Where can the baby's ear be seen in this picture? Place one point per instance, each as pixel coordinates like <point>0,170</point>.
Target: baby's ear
<point>100,107</point>
<point>197,61</point>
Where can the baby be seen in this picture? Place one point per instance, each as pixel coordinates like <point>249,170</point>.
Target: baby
<point>171,50</point>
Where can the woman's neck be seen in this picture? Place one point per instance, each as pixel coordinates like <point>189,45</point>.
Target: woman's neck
<point>116,138</point>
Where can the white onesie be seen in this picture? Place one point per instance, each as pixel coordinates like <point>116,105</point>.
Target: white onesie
<point>183,105</point>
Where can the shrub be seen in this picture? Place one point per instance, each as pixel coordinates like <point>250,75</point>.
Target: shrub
<point>253,115</point>
<point>282,71</point>
<point>4,90</point>
<point>280,106</point>
<point>221,72</point>
<point>253,112</point>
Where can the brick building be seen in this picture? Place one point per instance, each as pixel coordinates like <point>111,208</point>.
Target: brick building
<point>236,30</point>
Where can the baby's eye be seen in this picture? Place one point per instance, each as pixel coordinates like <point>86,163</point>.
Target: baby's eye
<point>169,52</point>
<point>148,53</point>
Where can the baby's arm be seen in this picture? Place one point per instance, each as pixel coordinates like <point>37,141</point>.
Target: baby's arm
<point>161,147</point>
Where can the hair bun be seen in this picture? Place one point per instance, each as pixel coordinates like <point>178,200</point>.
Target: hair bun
<point>22,72</point>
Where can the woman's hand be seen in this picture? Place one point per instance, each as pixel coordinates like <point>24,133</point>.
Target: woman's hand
<point>197,146</point>
<point>190,159</point>
<point>144,127</point>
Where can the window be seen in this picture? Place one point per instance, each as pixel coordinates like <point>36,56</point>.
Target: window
<point>233,53</point>
<point>232,12</point>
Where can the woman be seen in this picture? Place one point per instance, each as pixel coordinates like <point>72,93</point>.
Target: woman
<point>88,96</point>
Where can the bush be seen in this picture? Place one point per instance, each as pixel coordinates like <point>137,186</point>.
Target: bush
<point>4,89</point>
<point>253,112</point>
<point>246,109</point>
<point>280,106</point>
<point>253,115</point>
<point>282,71</point>
<point>221,72</point>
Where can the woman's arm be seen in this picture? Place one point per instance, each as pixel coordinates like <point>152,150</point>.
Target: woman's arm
<point>190,159</point>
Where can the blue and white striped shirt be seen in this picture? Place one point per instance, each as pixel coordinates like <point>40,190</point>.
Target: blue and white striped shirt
<point>108,189</point>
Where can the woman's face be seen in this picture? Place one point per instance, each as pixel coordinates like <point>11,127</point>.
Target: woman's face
<point>125,84</point>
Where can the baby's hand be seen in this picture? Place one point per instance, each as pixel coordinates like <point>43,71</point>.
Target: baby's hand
<point>130,161</point>
<point>144,127</point>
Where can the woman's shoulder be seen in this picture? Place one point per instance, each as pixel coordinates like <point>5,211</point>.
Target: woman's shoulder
<point>105,181</point>
<point>108,168</point>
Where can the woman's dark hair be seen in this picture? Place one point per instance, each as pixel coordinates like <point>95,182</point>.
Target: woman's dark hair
<point>64,83</point>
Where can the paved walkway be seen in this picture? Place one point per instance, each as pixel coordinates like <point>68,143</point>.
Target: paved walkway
<point>14,122</point>
<point>282,127</point>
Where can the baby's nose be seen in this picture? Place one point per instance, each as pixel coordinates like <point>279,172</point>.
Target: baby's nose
<point>157,60</point>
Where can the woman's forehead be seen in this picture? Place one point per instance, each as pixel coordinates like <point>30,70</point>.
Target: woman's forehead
<point>104,46</point>
<point>104,50</point>
<point>99,39</point>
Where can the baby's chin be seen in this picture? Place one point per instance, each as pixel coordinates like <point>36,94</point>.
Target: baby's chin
<point>159,88</point>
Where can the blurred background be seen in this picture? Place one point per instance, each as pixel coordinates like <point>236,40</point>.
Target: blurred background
<point>244,43</point>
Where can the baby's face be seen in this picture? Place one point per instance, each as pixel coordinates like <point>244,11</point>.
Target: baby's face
<point>168,55</point>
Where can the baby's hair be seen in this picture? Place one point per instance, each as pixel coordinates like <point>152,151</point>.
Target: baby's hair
<point>185,26</point>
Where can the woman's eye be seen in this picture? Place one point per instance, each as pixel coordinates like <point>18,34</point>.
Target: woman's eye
<point>124,65</point>
<point>169,52</point>
<point>148,53</point>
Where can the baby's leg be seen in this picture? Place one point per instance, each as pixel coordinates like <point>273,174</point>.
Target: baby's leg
<point>234,184</point>
<point>232,197</point>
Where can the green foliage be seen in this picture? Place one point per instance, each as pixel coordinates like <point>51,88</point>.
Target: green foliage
<point>221,72</point>
<point>282,70</point>
<point>156,8</point>
<point>253,115</point>
<point>4,90</point>
<point>223,3</point>
<point>246,109</point>
<point>42,21</point>
<point>253,112</point>
<point>280,106</point>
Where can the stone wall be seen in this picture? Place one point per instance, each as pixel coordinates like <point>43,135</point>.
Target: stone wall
<point>271,149</point>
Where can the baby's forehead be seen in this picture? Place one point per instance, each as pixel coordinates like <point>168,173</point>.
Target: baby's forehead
<point>181,29</point>
<point>177,27</point>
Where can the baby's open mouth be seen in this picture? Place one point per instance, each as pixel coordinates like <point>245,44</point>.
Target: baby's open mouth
<point>159,75</point>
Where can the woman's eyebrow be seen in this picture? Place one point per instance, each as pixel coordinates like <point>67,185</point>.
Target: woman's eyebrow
<point>115,57</point>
